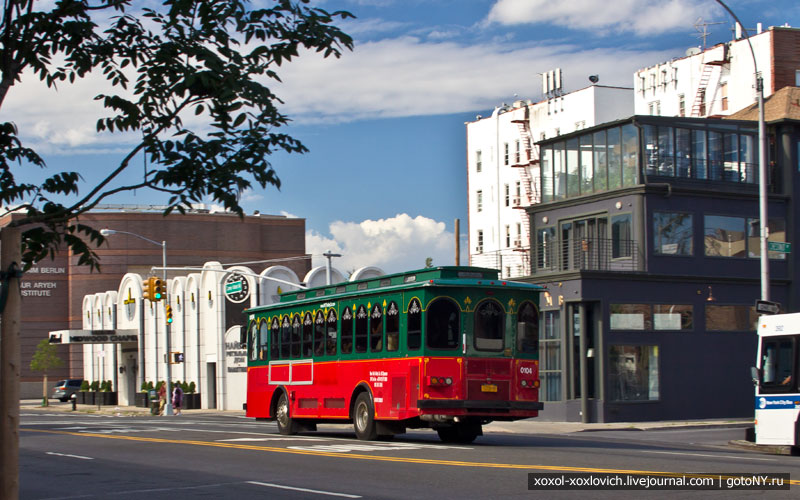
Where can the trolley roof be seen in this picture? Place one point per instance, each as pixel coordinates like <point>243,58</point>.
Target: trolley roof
<point>435,276</point>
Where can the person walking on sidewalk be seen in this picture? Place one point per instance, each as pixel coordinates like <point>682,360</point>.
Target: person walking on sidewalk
<point>177,399</point>
<point>162,398</point>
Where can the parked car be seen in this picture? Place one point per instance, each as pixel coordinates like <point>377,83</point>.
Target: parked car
<point>66,388</point>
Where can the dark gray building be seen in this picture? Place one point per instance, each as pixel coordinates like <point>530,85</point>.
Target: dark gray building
<point>647,239</point>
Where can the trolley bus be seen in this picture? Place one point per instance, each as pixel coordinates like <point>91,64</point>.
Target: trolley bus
<point>449,348</point>
<point>776,376</point>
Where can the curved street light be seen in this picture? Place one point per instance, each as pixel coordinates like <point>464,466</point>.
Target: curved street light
<point>108,232</point>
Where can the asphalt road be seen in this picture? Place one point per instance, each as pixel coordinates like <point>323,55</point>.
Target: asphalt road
<point>64,455</point>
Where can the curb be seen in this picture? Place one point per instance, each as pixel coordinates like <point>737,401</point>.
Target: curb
<point>761,448</point>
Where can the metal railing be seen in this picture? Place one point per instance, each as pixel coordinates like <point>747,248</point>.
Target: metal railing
<point>588,254</point>
<point>511,262</point>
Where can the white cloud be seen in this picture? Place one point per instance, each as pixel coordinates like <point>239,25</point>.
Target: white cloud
<point>396,244</point>
<point>637,16</point>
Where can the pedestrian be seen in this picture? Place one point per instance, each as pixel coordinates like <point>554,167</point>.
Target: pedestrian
<point>177,399</point>
<point>162,398</point>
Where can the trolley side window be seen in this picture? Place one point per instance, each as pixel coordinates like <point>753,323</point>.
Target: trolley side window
<point>263,333</point>
<point>319,334</point>
<point>333,332</point>
<point>362,329</point>
<point>308,335</point>
<point>286,337</point>
<point>442,324</point>
<point>296,332</point>
<point>778,360</point>
<point>527,329</point>
<point>253,339</point>
<point>347,331</point>
<point>392,327</point>
<point>376,329</point>
<point>489,326</point>
<point>414,325</point>
<point>275,339</point>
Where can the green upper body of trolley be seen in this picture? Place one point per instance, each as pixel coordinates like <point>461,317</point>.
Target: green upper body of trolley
<point>462,311</point>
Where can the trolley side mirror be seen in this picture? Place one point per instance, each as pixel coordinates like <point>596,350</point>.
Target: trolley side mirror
<point>755,375</point>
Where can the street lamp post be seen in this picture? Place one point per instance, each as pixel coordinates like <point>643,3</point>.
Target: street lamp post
<point>762,164</point>
<point>108,232</point>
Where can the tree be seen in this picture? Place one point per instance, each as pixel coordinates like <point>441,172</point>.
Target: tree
<point>44,360</point>
<point>188,79</point>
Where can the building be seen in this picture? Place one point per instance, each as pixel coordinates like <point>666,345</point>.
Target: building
<point>53,291</point>
<point>720,80</point>
<point>503,165</point>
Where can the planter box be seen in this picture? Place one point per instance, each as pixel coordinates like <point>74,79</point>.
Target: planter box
<point>191,401</point>
<point>89,398</point>
<point>81,397</point>
<point>108,398</point>
<point>142,400</point>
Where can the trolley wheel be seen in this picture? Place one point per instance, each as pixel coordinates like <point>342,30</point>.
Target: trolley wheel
<point>462,432</point>
<point>286,424</point>
<point>364,418</point>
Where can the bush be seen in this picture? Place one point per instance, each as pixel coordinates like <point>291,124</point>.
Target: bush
<point>85,386</point>
<point>192,388</point>
<point>185,387</point>
<point>144,387</point>
<point>94,386</point>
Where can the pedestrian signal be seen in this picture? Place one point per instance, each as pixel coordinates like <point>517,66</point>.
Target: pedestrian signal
<point>169,314</point>
<point>177,357</point>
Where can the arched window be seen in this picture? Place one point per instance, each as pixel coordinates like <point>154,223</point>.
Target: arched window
<point>392,327</point>
<point>528,328</point>
<point>347,331</point>
<point>489,326</point>
<point>286,337</point>
<point>263,333</point>
<point>296,332</point>
<point>308,334</point>
<point>332,333</point>
<point>414,338</point>
<point>361,329</point>
<point>275,339</point>
<point>442,324</point>
<point>253,338</point>
<point>319,334</point>
<point>376,329</point>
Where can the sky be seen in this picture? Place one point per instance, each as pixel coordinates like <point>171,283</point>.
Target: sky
<point>385,177</point>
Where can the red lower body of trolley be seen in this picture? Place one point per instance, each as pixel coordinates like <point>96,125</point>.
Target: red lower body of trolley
<point>454,395</point>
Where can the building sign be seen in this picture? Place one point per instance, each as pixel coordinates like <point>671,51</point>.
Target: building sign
<point>235,353</point>
<point>93,336</point>
<point>237,288</point>
<point>37,284</point>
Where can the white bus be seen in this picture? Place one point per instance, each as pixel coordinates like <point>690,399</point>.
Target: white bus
<point>777,401</point>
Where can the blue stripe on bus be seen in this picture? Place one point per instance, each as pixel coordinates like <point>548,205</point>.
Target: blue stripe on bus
<point>787,401</point>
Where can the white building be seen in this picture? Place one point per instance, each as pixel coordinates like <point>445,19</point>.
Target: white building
<point>720,80</point>
<point>503,165</point>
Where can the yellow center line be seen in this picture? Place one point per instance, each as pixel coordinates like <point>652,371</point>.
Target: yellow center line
<point>355,456</point>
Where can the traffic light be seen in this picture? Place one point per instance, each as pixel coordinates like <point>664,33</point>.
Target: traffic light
<point>149,292</point>
<point>169,314</point>
<point>158,289</point>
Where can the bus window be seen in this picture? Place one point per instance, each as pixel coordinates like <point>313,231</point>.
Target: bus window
<point>347,331</point>
<point>275,339</point>
<point>296,331</point>
<point>376,329</point>
<point>332,332</point>
<point>319,334</point>
<point>253,336</point>
<point>489,326</point>
<point>286,337</point>
<point>776,364</point>
<point>527,329</point>
<point>308,335</point>
<point>263,328</point>
<point>441,325</point>
<point>392,327</point>
<point>414,339</point>
<point>361,329</point>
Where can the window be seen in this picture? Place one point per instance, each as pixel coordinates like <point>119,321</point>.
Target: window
<point>362,322</point>
<point>253,337</point>
<point>724,91</point>
<point>507,195</point>
<point>621,236</point>
<point>376,329</point>
<point>347,331</point>
<point>550,360</point>
<point>275,335</point>
<point>308,335</point>
<point>414,337</point>
<point>478,161</point>
<point>777,356</point>
<point>724,236</point>
<point>731,318</point>
<point>442,324</point>
<point>296,332</point>
<point>587,172</point>
<point>518,154</point>
<point>573,168</point>
<point>332,332</point>
<point>286,337</point>
<point>631,317</point>
<point>505,154</point>
<point>489,326</point>
<point>527,329</point>
<point>508,236</point>
<point>546,247</point>
<point>263,333</point>
<point>479,201</point>
<point>776,233</point>
<point>672,233</point>
<point>681,105</point>
<point>633,373</point>
<point>319,334</point>
<point>673,317</point>
<point>392,327</point>
<point>479,248</point>
<point>652,317</point>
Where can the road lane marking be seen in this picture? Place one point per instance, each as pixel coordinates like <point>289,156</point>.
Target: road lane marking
<point>381,458</point>
<point>708,455</point>
<point>68,455</point>
<point>304,490</point>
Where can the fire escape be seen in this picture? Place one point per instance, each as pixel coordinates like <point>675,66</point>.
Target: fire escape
<point>530,193</point>
<point>699,106</point>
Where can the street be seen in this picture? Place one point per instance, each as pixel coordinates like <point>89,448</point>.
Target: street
<point>69,455</point>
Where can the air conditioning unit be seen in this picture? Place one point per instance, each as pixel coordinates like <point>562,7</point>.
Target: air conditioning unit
<point>479,249</point>
<point>516,201</point>
<point>517,243</point>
